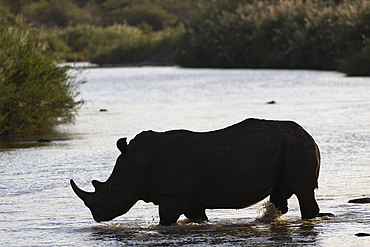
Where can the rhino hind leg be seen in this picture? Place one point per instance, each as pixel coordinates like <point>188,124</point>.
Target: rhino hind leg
<point>308,204</point>
<point>197,216</point>
<point>280,198</point>
<point>170,209</point>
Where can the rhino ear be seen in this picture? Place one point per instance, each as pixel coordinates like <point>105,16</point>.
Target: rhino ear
<point>122,145</point>
<point>97,185</point>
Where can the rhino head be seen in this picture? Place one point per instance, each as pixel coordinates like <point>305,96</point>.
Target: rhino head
<point>115,196</point>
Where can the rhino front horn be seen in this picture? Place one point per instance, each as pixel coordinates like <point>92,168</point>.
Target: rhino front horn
<point>83,195</point>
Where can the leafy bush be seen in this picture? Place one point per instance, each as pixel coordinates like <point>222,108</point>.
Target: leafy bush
<point>274,34</point>
<point>59,13</point>
<point>182,9</point>
<point>135,14</point>
<point>139,46</point>
<point>82,42</point>
<point>112,44</point>
<point>157,13</point>
<point>357,63</point>
<point>35,94</point>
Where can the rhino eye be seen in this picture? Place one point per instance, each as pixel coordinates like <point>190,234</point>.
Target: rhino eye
<point>111,187</point>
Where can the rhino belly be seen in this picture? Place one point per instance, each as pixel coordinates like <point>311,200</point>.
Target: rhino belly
<point>236,199</point>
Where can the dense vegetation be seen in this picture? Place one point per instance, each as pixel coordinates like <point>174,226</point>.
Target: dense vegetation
<point>306,34</point>
<point>63,13</point>
<point>280,34</point>
<point>107,31</point>
<point>35,94</point>
<point>119,43</point>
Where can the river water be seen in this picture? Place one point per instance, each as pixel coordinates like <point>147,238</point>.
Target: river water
<point>38,207</point>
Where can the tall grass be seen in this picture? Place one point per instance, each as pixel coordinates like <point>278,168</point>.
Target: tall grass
<point>275,34</point>
<point>35,94</point>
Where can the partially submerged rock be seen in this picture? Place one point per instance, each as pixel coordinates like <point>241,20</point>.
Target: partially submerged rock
<point>281,238</point>
<point>325,215</point>
<point>360,200</point>
<point>42,140</point>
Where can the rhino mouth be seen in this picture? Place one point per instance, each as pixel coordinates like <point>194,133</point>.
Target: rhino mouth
<point>97,217</point>
<point>100,216</point>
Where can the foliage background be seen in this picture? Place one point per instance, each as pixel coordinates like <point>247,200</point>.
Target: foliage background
<point>294,34</point>
<point>278,34</point>
<point>304,34</point>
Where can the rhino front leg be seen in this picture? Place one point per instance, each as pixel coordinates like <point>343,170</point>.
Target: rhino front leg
<point>170,209</point>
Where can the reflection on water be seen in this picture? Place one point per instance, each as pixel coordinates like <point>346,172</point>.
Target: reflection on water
<point>284,232</point>
<point>214,233</point>
<point>38,207</point>
<point>20,141</point>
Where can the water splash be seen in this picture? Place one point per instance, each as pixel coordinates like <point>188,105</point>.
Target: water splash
<point>268,213</point>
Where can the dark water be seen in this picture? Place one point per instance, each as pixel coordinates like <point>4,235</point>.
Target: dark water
<point>38,207</point>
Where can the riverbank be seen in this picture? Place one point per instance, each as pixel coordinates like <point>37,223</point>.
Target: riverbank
<point>165,58</point>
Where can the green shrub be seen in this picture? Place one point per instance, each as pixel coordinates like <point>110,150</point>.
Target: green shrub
<point>35,94</point>
<point>274,34</point>
<point>182,9</point>
<point>135,14</point>
<point>119,43</point>
<point>139,46</point>
<point>357,63</point>
<point>59,13</point>
<point>82,42</point>
<point>76,43</point>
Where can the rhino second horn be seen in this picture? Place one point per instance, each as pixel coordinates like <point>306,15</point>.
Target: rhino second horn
<point>97,185</point>
<point>83,195</point>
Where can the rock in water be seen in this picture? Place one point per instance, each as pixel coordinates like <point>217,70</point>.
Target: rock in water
<point>281,238</point>
<point>360,200</point>
<point>42,140</point>
<point>325,215</point>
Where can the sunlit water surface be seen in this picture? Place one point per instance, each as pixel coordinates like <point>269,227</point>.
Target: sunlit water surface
<point>38,207</point>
